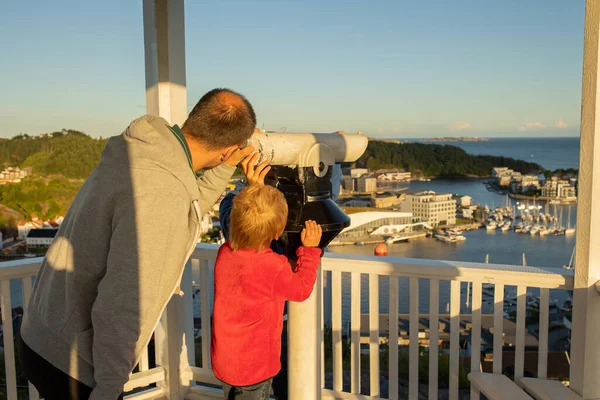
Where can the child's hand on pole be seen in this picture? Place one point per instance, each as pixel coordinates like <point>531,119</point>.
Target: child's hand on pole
<point>311,234</point>
<point>255,174</point>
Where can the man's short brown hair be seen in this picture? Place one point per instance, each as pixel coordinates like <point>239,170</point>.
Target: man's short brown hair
<point>258,216</point>
<point>221,118</point>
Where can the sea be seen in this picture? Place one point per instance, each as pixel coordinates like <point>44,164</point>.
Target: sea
<point>550,152</point>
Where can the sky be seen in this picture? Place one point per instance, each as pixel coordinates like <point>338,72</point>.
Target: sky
<point>401,69</point>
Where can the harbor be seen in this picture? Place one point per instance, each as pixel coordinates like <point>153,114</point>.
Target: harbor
<point>503,246</point>
<point>534,219</point>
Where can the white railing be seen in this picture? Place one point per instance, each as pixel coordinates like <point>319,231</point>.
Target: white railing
<point>178,374</point>
<point>434,272</point>
<point>25,271</point>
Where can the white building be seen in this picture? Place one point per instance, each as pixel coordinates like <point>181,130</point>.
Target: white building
<point>525,183</point>
<point>356,172</point>
<point>24,227</point>
<point>465,201</point>
<point>41,237</point>
<point>429,206</point>
<point>468,212</point>
<point>505,176</point>
<point>566,191</point>
<point>377,223</point>
<point>501,171</point>
<point>558,188</point>
<point>14,174</point>
<point>395,176</point>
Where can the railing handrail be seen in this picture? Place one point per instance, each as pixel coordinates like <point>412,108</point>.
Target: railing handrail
<point>551,278</point>
<point>20,268</point>
<point>510,275</point>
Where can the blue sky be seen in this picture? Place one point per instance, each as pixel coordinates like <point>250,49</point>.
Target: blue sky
<point>386,68</point>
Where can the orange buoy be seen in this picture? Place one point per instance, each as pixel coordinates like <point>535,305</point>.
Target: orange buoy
<point>381,250</point>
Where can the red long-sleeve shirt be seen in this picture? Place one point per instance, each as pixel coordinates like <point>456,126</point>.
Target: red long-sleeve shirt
<point>250,291</point>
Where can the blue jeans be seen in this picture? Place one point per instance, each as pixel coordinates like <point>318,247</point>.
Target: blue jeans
<point>258,391</point>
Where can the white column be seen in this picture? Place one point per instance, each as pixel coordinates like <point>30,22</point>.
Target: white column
<point>164,48</point>
<point>304,348</point>
<point>164,45</point>
<point>585,348</point>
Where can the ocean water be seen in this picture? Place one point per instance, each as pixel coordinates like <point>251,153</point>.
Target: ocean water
<point>550,153</point>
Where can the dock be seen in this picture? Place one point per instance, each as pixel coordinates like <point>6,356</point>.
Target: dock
<point>378,239</point>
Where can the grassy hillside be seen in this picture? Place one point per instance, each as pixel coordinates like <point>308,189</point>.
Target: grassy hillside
<point>45,197</point>
<point>69,153</point>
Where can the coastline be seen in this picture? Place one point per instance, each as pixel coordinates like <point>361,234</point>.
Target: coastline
<point>541,198</point>
<point>493,187</point>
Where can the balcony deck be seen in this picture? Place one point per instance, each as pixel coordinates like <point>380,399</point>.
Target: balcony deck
<point>174,369</point>
<point>340,374</point>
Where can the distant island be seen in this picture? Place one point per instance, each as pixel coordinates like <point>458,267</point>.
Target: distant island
<point>454,139</point>
<point>436,160</point>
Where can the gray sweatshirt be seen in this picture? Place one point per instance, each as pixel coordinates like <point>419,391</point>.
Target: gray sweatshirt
<point>119,256</point>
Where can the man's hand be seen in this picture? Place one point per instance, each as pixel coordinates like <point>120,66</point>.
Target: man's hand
<point>232,159</point>
<point>311,234</point>
<point>255,174</point>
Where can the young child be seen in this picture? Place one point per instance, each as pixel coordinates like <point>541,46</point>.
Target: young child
<point>260,174</point>
<point>251,285</point>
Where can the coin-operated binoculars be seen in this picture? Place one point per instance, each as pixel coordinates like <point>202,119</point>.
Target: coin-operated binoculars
<point>302,166</point>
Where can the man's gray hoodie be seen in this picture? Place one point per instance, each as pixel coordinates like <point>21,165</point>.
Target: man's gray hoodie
<point>119,256</point>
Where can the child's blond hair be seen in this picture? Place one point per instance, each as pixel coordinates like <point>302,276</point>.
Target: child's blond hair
<point>259,215</point>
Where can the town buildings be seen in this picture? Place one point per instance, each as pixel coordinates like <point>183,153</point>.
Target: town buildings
<point>523,184</point>
<point>465,201</point>
<point>13,175</point>
<point>386,200</point>
<point>437,209</point>
<point>24,227</point>
<point>394,176</point>
<point>366,184</point>
<point>517,182</point>
<point>355,172</point>
<point>553,188</point>
<point>360,180</point>
<point>556,188</point>
<point>41,237</point>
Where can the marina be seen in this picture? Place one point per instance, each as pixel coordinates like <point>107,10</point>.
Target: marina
<point>551,247</point>
<point>532,220</point>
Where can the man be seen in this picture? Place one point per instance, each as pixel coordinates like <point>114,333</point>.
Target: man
<point>121,250</point>
<point>260,174</point>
